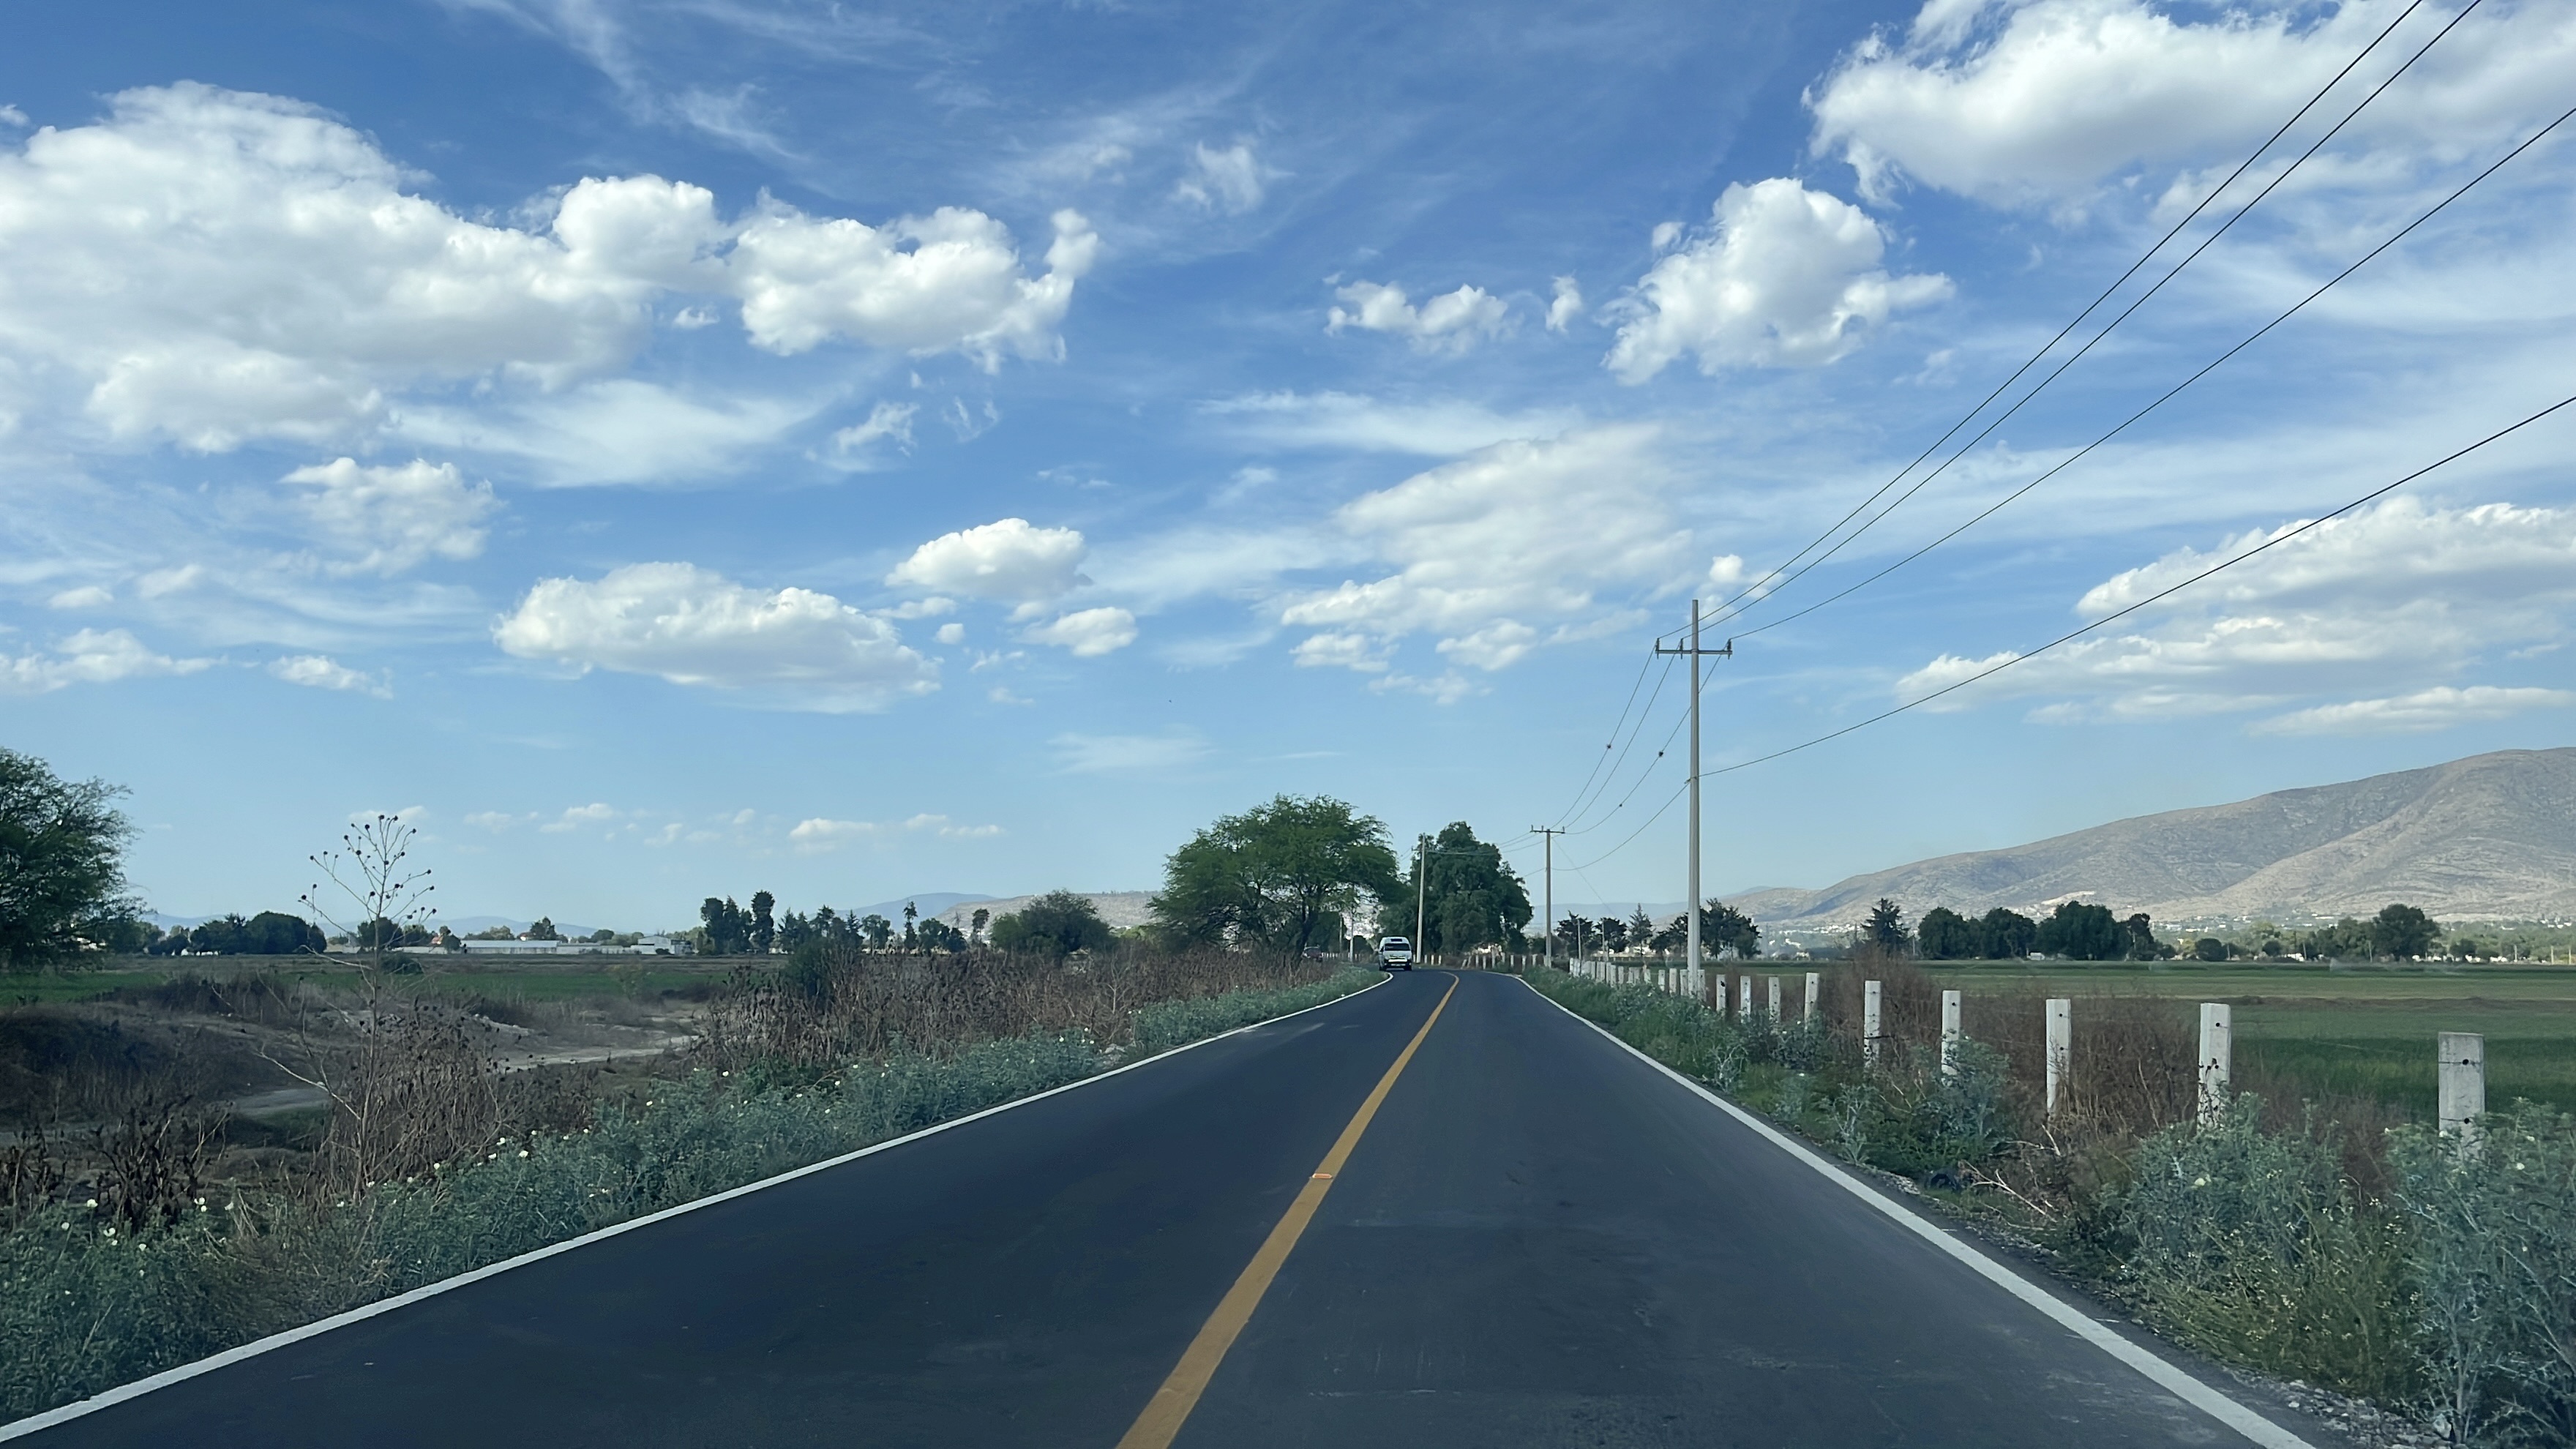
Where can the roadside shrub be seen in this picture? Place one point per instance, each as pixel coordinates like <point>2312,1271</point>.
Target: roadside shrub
<point>1913,1118</point>
<point>1169,1024</point>
<point>2250,1245</point>
<point>87,1302</point>
<point>2497,1258</point>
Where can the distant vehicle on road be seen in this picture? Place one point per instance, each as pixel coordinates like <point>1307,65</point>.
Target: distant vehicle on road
<point>1395,953</point>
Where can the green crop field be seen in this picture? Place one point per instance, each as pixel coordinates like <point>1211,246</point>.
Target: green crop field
<point>2355,1030</point>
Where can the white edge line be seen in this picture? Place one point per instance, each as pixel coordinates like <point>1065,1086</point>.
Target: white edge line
<point>2173,1380</point>
<point>162,1380</point>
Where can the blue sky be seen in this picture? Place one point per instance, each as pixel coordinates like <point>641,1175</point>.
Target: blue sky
<point>703,447</point>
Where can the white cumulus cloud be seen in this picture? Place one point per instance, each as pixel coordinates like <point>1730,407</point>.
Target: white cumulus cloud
<point>1783,277</point>
<point>1088,633</point>
<point>2391,602</point>
<point>1009,559</point>
<point>321,671</point>
<point>1500,551</point>
<point>2046,101</point>
<point>690,626</point>
<point>388,519</point>
<point>948,282</point>
<point>210,266</point>
<point>1452,322</point>
<point>91,656</point>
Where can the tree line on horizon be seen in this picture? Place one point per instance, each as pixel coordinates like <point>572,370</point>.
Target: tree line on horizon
<point>1296,874</point>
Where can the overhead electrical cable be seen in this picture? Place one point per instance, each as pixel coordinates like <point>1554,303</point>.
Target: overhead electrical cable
<point>1611,743</point>
<point>2143,298</point>
<point>2074,634</point>
<point>1643,775</point>
<point>2268,544</point>
<point>1759,585</point>
<point>2170,393</point>
<point>1585,798</point>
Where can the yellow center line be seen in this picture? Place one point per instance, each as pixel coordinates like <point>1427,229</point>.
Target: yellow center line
<point>1171,1404</point>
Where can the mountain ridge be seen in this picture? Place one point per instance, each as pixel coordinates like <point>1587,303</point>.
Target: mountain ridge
<point>2487,837</point>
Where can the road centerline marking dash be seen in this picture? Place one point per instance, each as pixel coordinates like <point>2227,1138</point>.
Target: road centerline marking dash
<point>1171,1405</point>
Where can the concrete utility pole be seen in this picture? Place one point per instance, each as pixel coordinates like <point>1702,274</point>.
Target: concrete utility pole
<point>1690,906</point>
<point>1547,912</point>
<point>1421,888</point>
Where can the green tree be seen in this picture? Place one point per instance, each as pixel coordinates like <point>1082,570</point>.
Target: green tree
<point>2144,945</point>
<point>764,926</point>
<point>1614,933</point>
<point>876,930</point>
<point>62,875</point>
<point>2004,935</point>
<point>1723,927</point>
<point>543,929</point>
<point>1641,928</point>
<point>1474,898</point>
<point>2209,948</point>
<point>726,925</point>
<point>1058,923</point>
<point>2345,940</point>
<point>975,927</point>
<point>1276,874</point>
<point>2082,932</point>
<point>1885,928</point>
<point>937,935</point>
<point>2403,932</point>
<point>1948,936</point>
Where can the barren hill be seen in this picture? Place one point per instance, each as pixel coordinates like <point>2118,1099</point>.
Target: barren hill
<point>2488,837</point>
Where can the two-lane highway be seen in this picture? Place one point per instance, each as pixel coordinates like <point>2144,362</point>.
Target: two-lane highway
<point>1537,1239</point>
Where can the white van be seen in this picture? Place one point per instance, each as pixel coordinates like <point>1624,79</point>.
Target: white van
<point>1395,953</point>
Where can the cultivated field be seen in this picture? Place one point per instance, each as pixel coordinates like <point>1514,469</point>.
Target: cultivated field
<point>2343,1029</point>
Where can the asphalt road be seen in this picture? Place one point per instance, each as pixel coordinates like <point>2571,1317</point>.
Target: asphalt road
<point>1540,1240</point>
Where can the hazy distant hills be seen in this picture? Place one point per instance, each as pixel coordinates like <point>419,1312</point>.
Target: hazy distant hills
<point>1121,909</point>
<point>2491,836</point>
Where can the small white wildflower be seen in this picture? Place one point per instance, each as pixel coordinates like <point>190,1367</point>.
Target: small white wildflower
<point>523,1152</point>
<point>93,1202</point>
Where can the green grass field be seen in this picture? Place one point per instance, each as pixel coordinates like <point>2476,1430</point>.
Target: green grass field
<point>2357,1030</point>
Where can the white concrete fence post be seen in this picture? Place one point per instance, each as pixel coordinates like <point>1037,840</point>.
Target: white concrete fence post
<point>1815,990</point>
<point>1870,996</point>
<point>1775,1001</point>
<point>2217,1052</point>
<point>1950,1033</point>
<point>2061,1050</point>
<point>2463,1085</point>
<point>1744,998</point>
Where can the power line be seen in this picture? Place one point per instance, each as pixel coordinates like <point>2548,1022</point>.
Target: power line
<point>1758,585</point>
<point>2075,634</point>
<point>2143,298</point>
<point>1613,741</point>
<point>1582,803</point>
<point>2224,564</point>
<point>2169,394</point>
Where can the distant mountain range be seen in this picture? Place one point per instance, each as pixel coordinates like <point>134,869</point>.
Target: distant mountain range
<point>2491,837</point>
